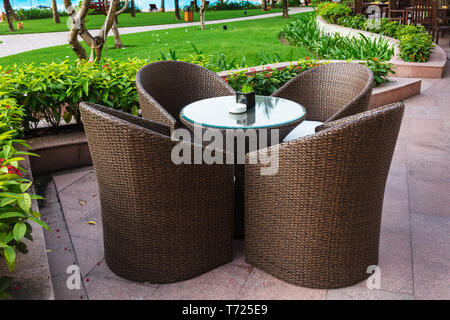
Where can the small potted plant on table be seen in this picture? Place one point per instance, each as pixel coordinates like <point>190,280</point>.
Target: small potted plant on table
<point>246,96</point>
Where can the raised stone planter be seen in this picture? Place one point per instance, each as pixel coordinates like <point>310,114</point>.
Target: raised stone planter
<point>433,68</point>
<point>60,152</point>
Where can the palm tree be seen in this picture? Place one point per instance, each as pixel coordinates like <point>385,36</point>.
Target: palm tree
<point>132,9</point>
<point>177,10</point>
<point>55,12</point>
<point>162,9</point>
<point>263,5</point>
<point>285,9</point>
<point>9,14</point>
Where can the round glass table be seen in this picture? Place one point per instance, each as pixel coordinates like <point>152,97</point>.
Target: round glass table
<point>269,113</point>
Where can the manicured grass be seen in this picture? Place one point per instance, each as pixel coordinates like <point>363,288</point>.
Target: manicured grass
<point>125,20</point>
<point>241,39</point>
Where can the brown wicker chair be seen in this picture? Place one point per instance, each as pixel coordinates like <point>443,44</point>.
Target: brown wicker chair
<point>328,92</point>
<point>316,223</point>
<point>161,222</point>
<point>165,87</point>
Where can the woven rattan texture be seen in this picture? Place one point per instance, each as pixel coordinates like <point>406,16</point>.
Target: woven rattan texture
<point>164,87</point>
<point>161,222</point>
<point>317,222</point>
<point>331,91</point>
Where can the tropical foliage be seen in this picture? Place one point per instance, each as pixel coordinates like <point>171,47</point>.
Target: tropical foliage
<point>415,43</point>
<point>306,32</point>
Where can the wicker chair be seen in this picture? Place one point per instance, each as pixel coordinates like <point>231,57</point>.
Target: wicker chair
<point>328,92</point>
<point>161,222</point>
<point>316,223</point>
<point>165,87</point>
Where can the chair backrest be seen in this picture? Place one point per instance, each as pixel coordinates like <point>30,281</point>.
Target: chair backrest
<point>331,91</point>
<point>393,5</point>
<point>421,12</point>
<point>402,4</point>
<point>165,87</point>
<point>121,144</point>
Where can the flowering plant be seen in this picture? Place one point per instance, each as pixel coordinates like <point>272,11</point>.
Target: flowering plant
<point>269,80</point>
<point>15,202</point>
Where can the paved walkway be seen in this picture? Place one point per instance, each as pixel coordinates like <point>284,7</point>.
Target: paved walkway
<point>13,44</point>
<point>415,233</point>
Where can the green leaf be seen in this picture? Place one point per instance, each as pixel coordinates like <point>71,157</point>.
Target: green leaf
<point>22,248</point>
<point>10,254</point>
<point>40,222</point>
<point>35,196</point>
<point>5,202</point>
<point>10,195</point>
<point>27,153</point>
<point>24,186</point>
<point>19,230</point>
<point>9,237</point>
<point>13,160</point>
<point>25,202</point>
<point>11,215</point>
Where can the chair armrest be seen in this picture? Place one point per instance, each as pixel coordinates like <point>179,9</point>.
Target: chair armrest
<point>141,122</point>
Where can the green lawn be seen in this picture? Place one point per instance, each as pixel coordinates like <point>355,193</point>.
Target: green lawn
<point>125,20</point>
<point>243,38</point>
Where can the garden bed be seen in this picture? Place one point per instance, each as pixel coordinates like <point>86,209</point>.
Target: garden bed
<point>433,68</point>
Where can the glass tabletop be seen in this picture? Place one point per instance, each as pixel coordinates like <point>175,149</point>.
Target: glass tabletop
<point>268,112</point>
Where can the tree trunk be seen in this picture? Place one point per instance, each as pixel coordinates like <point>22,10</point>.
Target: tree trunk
<point>55,12</point>
<point>115,29</point>
<point>162,8</point>
<point>79,28</point>
<point>9,15</point>
<point>358,6</point>
<point>285,9</point>
<point>132,9</point>
<point>263,5</point>
<point>196,8</point>
<point>177,10</point>
<point>8,9</point>
<point>202,14</point>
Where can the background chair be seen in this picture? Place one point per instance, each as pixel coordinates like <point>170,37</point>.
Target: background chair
<point>328,92</point>
<point>165,87</point>
<point>161,222</point>
<point>439,22</point>
<point>397,10</point>
<point>420,13</point>
<point>316,223</point>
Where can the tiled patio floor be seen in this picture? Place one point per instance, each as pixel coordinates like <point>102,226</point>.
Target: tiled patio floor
<point>415,236</point>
